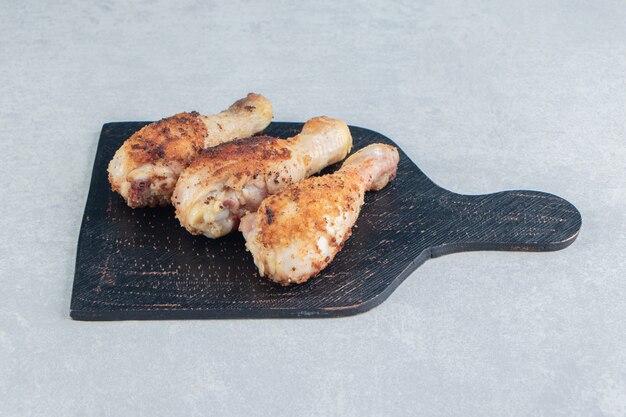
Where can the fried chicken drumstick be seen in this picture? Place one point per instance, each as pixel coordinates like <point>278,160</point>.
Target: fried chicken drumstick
<point>297,232</point>
<point>145,169</point>
<point>227,181</point>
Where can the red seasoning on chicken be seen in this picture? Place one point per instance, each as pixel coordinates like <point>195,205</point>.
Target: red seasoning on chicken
<point>145,169</point>
<point>297,232</point>
<point>229,180</point>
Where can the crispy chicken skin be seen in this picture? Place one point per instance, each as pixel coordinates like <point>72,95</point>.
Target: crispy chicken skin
<point>227,181</point>
<point>297,232</point>
<point>145,169</point>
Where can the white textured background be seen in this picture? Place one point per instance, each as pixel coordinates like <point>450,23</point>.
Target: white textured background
<point>483,97</point>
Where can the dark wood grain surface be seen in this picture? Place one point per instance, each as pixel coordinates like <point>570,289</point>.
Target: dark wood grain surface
<point>140,264</point>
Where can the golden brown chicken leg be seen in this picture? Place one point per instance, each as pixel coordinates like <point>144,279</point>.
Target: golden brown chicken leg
<point>229,180</point>
<point>145,169</point>
<point>297,232</point>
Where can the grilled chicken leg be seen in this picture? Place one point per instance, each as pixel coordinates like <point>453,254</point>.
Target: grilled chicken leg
<point>145,169</point>
<point>297,232</point>
<point>229,180</point>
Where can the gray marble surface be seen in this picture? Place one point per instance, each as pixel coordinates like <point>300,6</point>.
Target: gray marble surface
<point>483,97</point>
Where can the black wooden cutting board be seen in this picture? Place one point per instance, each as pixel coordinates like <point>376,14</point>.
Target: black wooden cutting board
<point>140,264</point>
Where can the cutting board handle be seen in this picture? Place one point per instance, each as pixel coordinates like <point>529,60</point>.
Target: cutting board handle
<point>509,220</point>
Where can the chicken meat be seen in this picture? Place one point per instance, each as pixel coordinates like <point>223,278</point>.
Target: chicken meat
<point>145,169</point>
<point>297,232</point>
<point>228,181</point>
